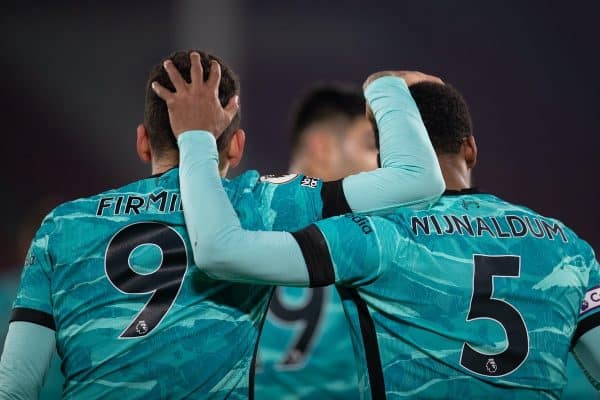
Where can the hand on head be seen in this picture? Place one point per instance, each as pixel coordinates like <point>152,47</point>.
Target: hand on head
<point>195,105</point>
<point>410,77</point>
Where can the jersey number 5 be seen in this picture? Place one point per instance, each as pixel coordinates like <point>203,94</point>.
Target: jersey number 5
<point>484,305</point>
<point>164,283</point>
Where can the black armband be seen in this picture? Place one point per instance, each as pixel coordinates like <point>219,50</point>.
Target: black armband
<point>334,199</point>
<point>316,255</point>
<point>34,316</point>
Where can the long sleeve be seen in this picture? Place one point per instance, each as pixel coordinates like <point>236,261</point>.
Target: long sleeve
<point>410,173</point>
<point>222,249</point>
<point>26,358</point>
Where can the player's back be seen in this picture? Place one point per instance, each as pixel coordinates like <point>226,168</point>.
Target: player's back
<point>134,318</point>
<point>305,350</point>
<point>479,299</point>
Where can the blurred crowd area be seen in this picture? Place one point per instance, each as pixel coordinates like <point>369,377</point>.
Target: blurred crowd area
<point>74,76</point>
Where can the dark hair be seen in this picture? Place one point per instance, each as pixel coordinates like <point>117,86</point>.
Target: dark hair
<point>323,103</point>
<point>445,114</point>
<point>156,116</point>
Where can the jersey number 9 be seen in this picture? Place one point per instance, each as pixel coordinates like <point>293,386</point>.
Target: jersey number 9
<point>163,283</point>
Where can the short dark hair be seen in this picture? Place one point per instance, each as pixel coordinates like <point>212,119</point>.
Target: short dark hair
<point>325,102</point>
<point>156,115</point>
<point>445,114</point>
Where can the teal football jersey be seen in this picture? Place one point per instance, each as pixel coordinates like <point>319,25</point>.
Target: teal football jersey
<point>305,351</point>
<point>475,298</point>
<point>113,274</point>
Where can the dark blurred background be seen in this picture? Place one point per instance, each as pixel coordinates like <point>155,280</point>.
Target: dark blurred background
<point>73,77</point>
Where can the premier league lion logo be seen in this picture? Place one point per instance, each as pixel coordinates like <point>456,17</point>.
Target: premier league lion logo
<point>141,328</point>
<point>491,366</point>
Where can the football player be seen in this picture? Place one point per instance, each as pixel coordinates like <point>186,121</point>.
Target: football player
<point>107,278</point>
<point>473,298</point>
<point>305,349</point>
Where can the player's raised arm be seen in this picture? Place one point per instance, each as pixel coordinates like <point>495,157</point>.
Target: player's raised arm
<point>410,173</point>
<point>215,223</point>
<point>224,250</point>
<point>221,247</point>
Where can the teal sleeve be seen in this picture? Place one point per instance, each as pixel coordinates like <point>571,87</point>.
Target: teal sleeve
<point>354,248</point>
<point>34,290</point>
<point>222,249</point>
<point>587,354</point>
<point>26,357</point>
<point>410,173</point>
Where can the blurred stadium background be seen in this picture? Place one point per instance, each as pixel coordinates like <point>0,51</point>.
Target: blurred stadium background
<point>73,77</point>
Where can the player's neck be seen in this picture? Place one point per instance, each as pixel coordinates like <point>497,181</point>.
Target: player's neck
<point>163,164</point>
<point>457,175</point>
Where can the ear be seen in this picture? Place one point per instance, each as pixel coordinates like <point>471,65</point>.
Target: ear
<point>143,144</point>
<point>470,151</point>
<point>236,148</point>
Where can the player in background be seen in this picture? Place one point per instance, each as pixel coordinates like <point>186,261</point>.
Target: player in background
<point>473,298</point>
<point>107,281</point>
<point>331,137</point>
<point>305,349</point>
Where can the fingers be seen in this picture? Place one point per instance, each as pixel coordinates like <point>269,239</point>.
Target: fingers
<point>418,77</point>
<point>214,78</point>
<point>432,78</point>
<point>162,91</point>
<point>232,107</point>
<point>196,70</point>
<point>174,75</point>
<point>374,77</point>
<point>410,77</point>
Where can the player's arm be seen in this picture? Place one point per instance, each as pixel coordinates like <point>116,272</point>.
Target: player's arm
<point>586,339</point>
<point>409,173</point>
<point>587,354</point>
<point>220,244</point>
<point>31,334</point>
<point>25,360</point>
<point>224,250</point>
<point>409,176</point>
